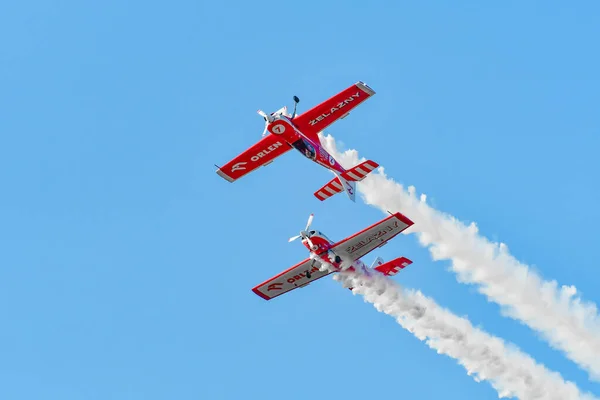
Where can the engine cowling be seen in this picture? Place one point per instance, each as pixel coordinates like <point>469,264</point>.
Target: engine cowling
<point>277,128</point>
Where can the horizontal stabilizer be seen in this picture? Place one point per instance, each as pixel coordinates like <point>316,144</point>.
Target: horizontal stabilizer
<point>329,189</point>
<point>391,268</point>
<point>359,172</point>
<point>346,181</point>
<point>337,185</point>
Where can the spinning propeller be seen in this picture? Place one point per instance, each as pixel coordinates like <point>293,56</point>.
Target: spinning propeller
<point>304,234</point>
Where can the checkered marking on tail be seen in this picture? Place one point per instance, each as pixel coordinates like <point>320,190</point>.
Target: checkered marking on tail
<point>359,172</point>
<point>397,268</point>
<point>332,187</point>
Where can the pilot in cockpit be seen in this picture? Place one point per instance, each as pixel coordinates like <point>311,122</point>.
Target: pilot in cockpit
<point>305,148</point>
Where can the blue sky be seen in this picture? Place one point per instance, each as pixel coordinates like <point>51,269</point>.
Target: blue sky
<point>127,263</point>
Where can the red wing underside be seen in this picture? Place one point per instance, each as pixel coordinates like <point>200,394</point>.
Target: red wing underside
<point>320,117</point>
<point>266,150</point>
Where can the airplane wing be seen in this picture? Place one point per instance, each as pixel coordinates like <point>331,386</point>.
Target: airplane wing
<point>320,117</point>
<point>262,153</point>
<point>357,245</point>
<point>290,279</point>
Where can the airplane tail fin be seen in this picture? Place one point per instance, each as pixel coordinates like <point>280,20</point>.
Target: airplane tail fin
<point>377,262</point>
<point>346,181</point>
<point>391,268</point>
<point>349,187</point>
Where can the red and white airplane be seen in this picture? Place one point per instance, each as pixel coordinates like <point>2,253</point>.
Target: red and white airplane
<point>284,132</point>
<point>327,257</point>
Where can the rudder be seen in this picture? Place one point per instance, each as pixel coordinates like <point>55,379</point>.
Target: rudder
<point>377,262</point>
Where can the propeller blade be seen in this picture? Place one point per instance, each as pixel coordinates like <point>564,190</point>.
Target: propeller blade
<point>266,118</point>
<point>293,238</point>
<point>310,243</point>
<point>310,219</point>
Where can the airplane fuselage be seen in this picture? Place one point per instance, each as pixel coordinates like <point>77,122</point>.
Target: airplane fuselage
<point>321,249</point>
<point>284,127</point>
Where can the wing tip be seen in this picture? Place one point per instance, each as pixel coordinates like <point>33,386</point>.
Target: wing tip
<point>224,175</point>
<point>372,164</point>
<point>260,294</point>
<point>403,218</point>
<point>405,262</point>
<point>365,88</point>
<point>319,195</point>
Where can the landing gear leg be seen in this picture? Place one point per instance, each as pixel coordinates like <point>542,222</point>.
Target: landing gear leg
<point>296,101</point>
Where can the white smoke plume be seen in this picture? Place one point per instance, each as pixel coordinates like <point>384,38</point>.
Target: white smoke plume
<point>510,372</point>
<point>560,316</point>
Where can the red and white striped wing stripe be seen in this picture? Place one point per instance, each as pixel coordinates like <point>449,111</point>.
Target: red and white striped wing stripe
<point>359,172</point>
<point>332,187</point>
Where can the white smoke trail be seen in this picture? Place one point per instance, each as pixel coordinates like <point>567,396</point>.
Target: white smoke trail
<point>505,367</point>
<point>563,319</point>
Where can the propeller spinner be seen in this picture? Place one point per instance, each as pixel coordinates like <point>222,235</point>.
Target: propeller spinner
<point>304,234</point>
